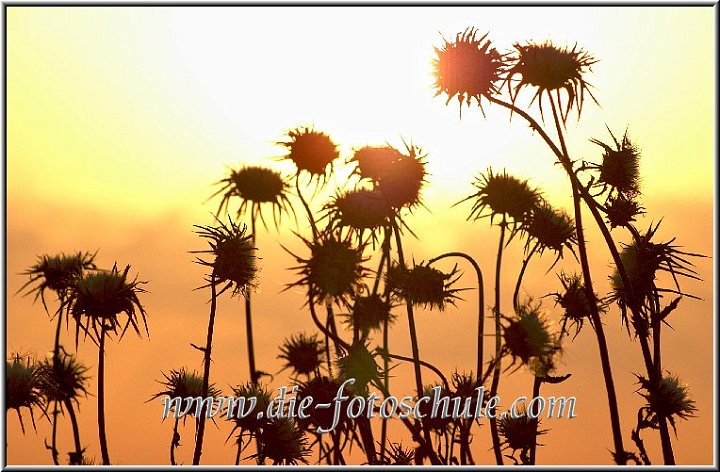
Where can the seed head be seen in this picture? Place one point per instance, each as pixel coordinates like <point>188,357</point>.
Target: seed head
<point>527,335</point>
<point>372,162</point>
<point>311,151</point>
<point>359,364</point>
<point>402,180</point>
<point>423,285</point>
<point>23,387</point>
<point>669,399</point>
<point>620,167</point>
<point>63,380</point>
<point>184,384</point>
<point>251,424</point>
<point>301,353</point>
<point>57,273</point>
<point>550,229</point>
<point>621,210</point>
<point>360,210</point>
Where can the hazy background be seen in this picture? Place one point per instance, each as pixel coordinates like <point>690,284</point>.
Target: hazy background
<point>119,120</point>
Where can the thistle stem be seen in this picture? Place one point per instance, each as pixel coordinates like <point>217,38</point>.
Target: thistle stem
<point>101,399</point>
<point>481,303</point>
<point>53,447</point>
<point>76,431</point>
<point>516,294</point>
<point>537,382</point>
<point>620,454</point>
<point>498,347</point>
<point>386,339</point>
<point>174,441</point>
<point>206,371</point>
<point>248,321</point>
<point>422,363</point>
<point>306,206</point>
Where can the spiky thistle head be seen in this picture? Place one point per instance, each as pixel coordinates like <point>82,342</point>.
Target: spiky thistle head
<point>360,210</point>
<point>620,167</point>
<point>502,195</point>
<point>467,68</point>
<point>622,211</point>
<point>233,263</point>
<point>323,389</point>
<point>63,380</point>
<point>527,334</point>
<point>435,422</point>
<point>519,432</point>
<point>574,301</point>
<point>424,285</point>
<point>359,363</point>
<point>670,399</point>
<point>372,162</point>
<point>184,384</point>
<point>282,441</point>
<point>302,353</point>
<point>398,455</point>
<point>255,187</point>
<point>549,68</point>
<point>251,424</point>
<point>370,312</point>
<point>550,229</point>
<point>401,181</point>
<point>334,271</point>
<point>100,296</point>
<point>23,386</point>
<point>57,273</point>
<point>312,151</point>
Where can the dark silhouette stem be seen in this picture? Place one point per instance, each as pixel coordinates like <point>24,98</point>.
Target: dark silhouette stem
<point>76,431</point>
<point>386,342</point>
<point>101,399</point>
<point>206,371</point>
<point>516,294</point>
<point>53,447</point>
<point>306,206</point>
<point>498,347</point>
<point>248,320</point>
<point>620,454</point>
<point>173,442</point>
<point>481,303</point>
<point>323,328</point>
<point>537,382</point>
<point>424,364</point>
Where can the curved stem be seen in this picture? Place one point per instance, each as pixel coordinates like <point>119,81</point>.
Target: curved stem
<point>516,293</point>
<point>323,328</point>
<point>101,399</point>
<point>498,347</point>
<point>481,304</point>
<point>422,363</point>
<point>620,454</point>
<point>206,371</point>
<point>306,206</point>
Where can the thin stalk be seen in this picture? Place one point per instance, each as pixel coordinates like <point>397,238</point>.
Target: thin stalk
<point>56,362</point>
<point>413,337</point>
<point>306,206</point>
<point>206,371</point>
<point>248,321</point>
<point>516,294</point>
<point>76,430</point>
<point>498,347</point>
<point>537,382</point>
<point>101,399</point>
<point>422,363</point>
<point>386,341</point>
<point>668,455</point>
<point>174,441</point>
<point>53,447</point>
<point>481,303</point>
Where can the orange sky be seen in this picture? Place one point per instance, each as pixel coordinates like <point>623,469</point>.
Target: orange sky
<point>120,120</point>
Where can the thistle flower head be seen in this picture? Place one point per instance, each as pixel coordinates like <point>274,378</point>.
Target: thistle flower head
<point>359,363</point>
<point>63,380</point>
<point>620,167</point>
<point>99,297</point>
<point>283,442</point>
<point>23,383</point>
<point>669,399</point>
<point>251,424</point>
<point>311,151</point>
<point>360,210</point>
<point>423,285</point>
<point>503,195</point>
<point>401,181</point>
<point>372,162</point>
<point>574,301</point>
<point>398,455</point>
<point>527,335</point>
<point>467,68</point>
<point>550,229</point>
<point>57,273</point>
<point>234,263</point>
<point>519,432</point>
<point>369,313</point>
<point>334,270</point>
<point>550,68</point>
<point>435,422</point>
<point>255,187</point>
<point>323,389</point>
<point>184,384</point>
<point>302,353</point>
<point>621,210</point>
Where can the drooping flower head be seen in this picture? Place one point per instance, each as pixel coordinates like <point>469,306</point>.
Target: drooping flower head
<point>312,151</point>
<point>527,335</point>
<point>23,385</point>
<point>57,273</point>
<point>550,229</point>
<point>334,270</point>
<point>423,285</point>
<point>234,263</point>
<point>372,162</point>
<point>574,301</point>
<point>302,353</point>
<point>369,312</point>
<point>400,182</point>
<point>622,211</point>
<point>549,68</point>
<point>670,399</point>
<point>467,68</point>
<point>184,384</point>
<point>283,442</point>
<point>255,187</point>
<point>63,380</point>
<point>502,195</point>
<point>620,167</point>
<point>99,297</point>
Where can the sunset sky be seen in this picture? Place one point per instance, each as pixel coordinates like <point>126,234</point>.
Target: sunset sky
<point>120,119</point>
